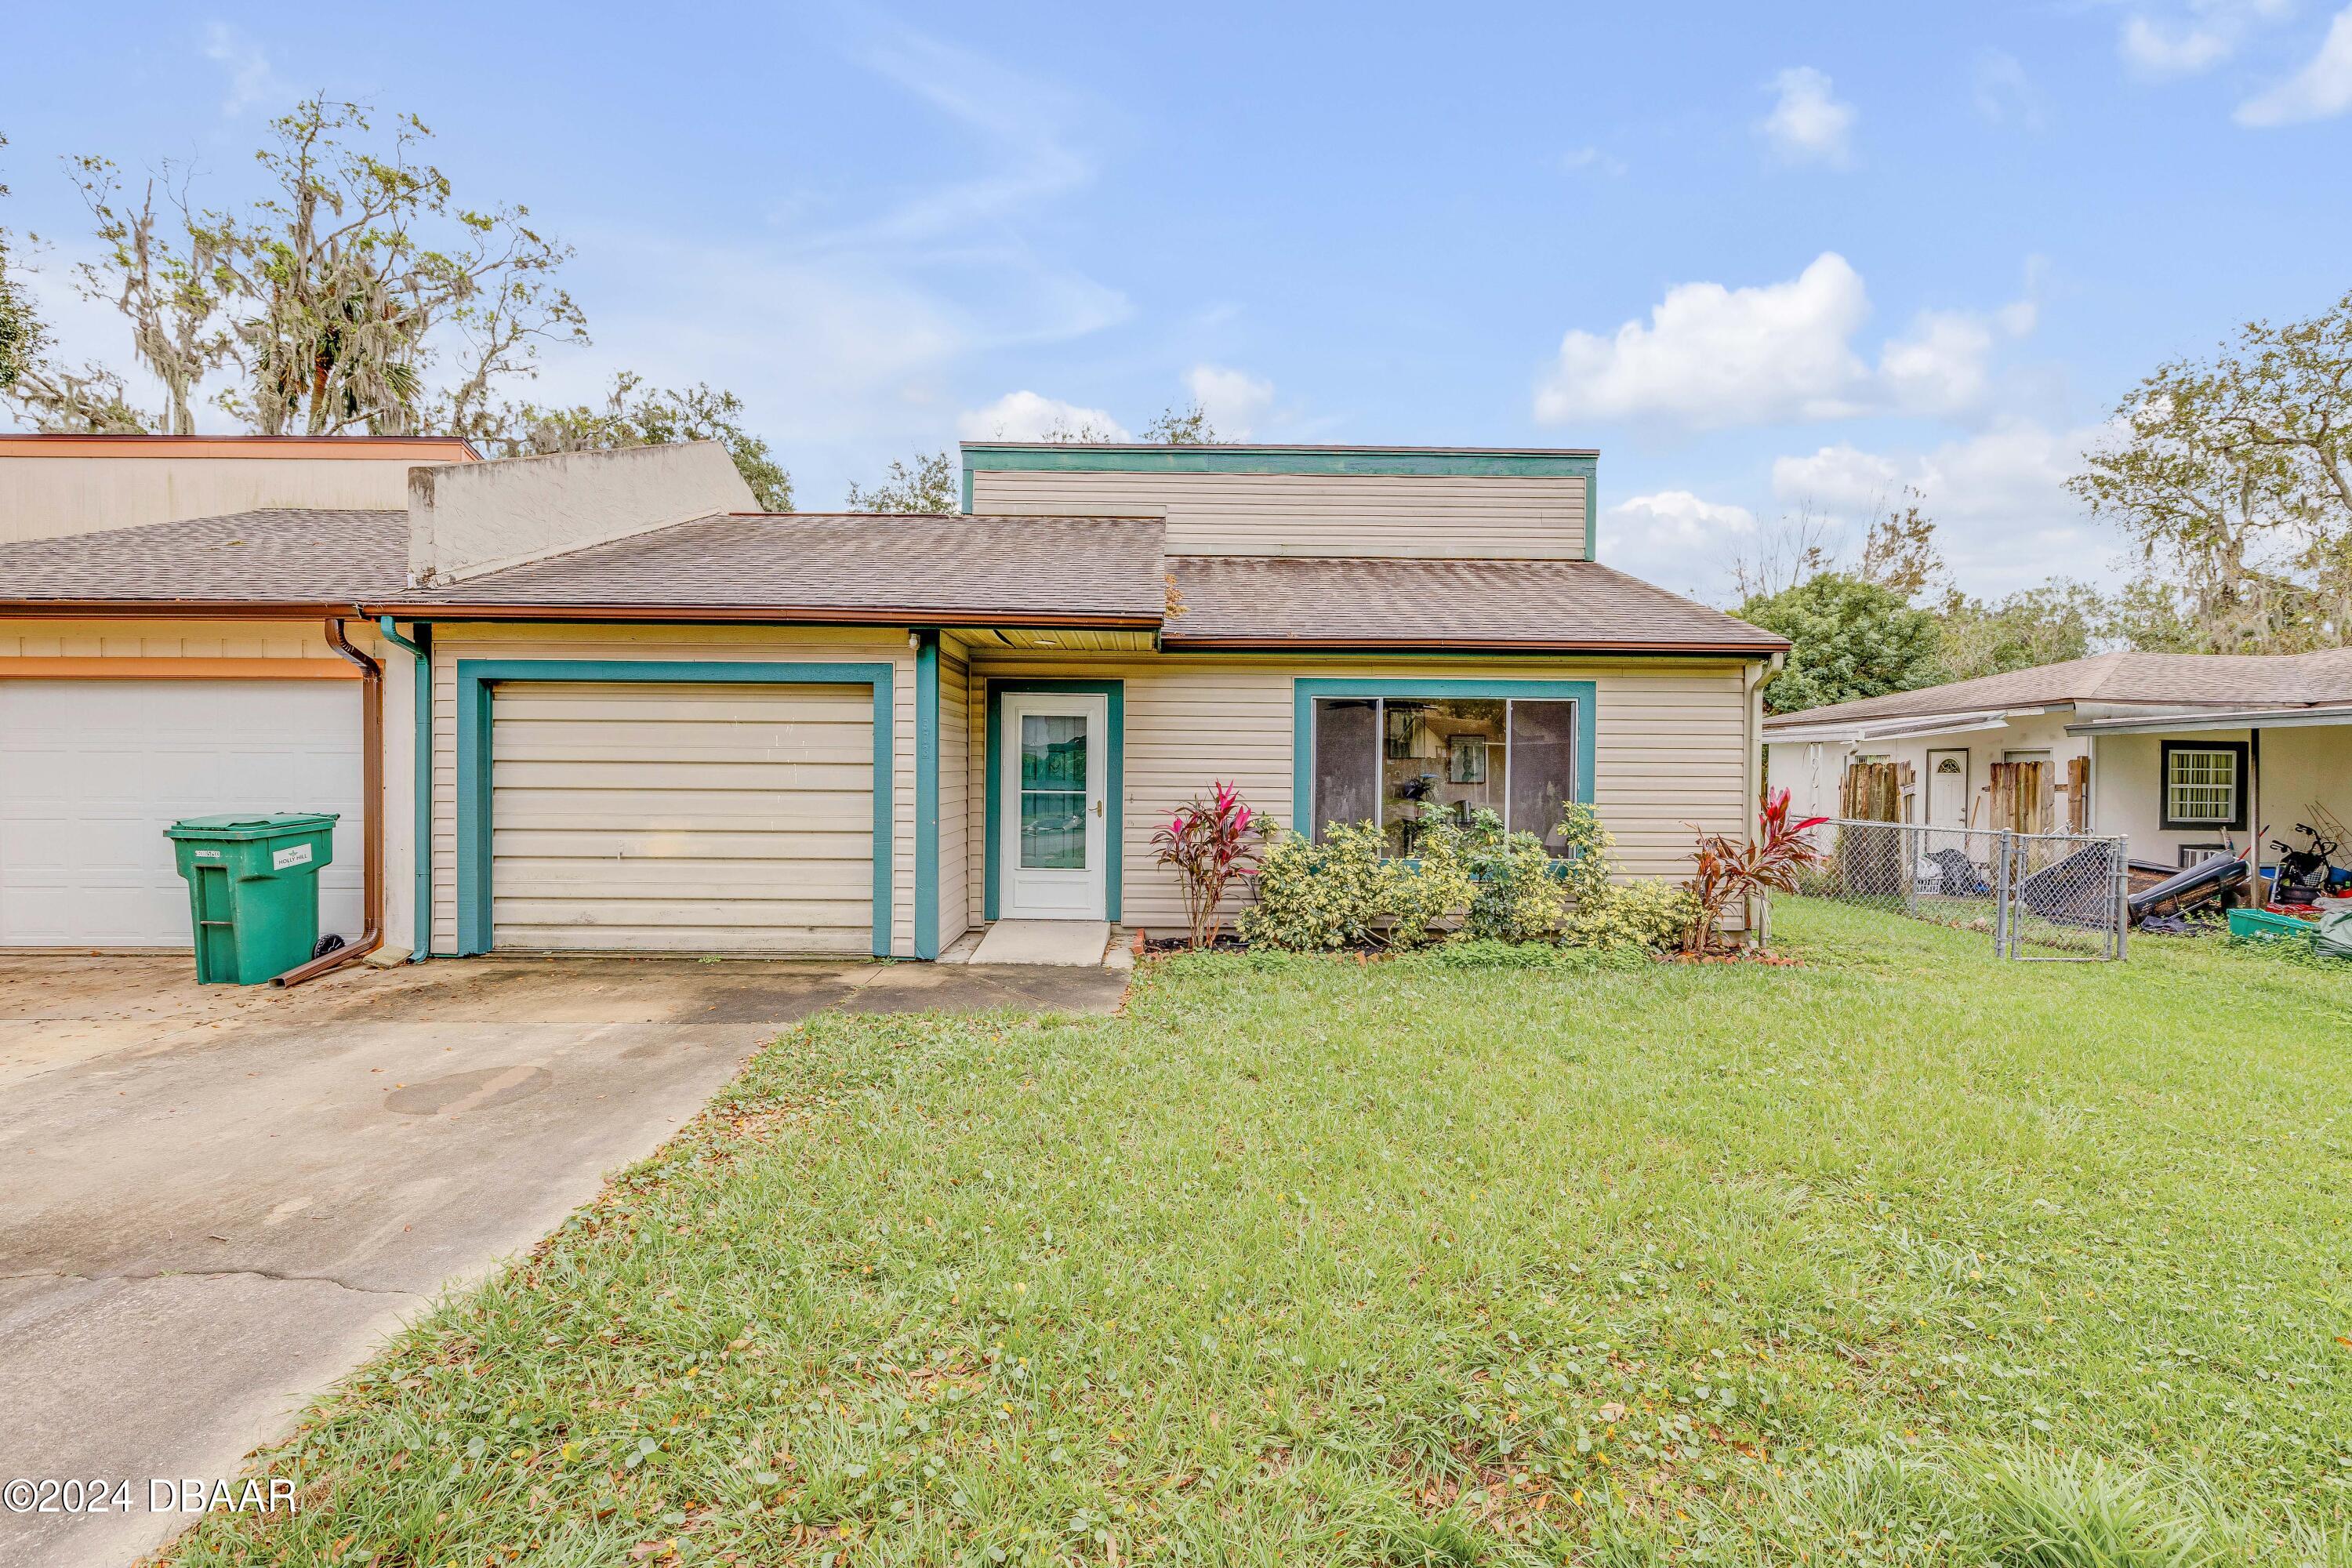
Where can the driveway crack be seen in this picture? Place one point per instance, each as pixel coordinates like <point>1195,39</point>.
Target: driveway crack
<point>269,1274</point>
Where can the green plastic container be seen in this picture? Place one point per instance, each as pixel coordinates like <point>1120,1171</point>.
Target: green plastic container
<point>2262,923</point>
<point>253,891</point>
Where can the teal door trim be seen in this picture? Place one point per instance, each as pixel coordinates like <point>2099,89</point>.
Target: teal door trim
<point>1114,783</point>
<point>478,677</point>
<point>1305,690</point>
<point>421,948</point>
<point>926,794</point>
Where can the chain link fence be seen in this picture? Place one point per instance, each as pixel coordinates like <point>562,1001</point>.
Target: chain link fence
<point>2037,895</point>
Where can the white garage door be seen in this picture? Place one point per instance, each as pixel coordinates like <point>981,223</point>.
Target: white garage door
<point>682,819</point>
<point>91,772</point>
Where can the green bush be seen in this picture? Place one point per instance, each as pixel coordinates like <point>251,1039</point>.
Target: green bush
<point>1652,915</point>
<point>1419,894</point>
<point>1501,887</point>
<point>1316,897</point>
<point>1522,896</point>
<point>1613,915</point>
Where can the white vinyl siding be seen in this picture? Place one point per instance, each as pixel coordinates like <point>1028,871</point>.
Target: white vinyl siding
<point>453,641</point>
<point>168,639</point>
<point>682,819</point>
<point>1411,515</point>
<point>1672,748</point>
<point>92,770</point>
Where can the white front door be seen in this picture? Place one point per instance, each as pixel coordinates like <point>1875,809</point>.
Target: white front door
<point>1053,748</point>
<point>1947,789</point>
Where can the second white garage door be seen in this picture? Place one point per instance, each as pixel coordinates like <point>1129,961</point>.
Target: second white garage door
<point>91,772</point>
<point>682,819</point>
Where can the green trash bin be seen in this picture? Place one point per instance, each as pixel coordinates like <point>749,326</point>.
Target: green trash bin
<point>253,891</point>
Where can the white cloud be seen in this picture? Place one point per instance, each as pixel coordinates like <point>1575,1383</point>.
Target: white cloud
<point>2320,90</point>
<point>1673,537</point>
<point>1807,124</point>
<point>2005,519</point>
<point>877,305</point>
<point>2167,48</point>
<point>1711,356</point>
<point>1591,160</point>
<point>2005,95</point>
<point>1234,400</point>
<point>2206,34</point>
<point>1029,416</point>
<point>250,81</point>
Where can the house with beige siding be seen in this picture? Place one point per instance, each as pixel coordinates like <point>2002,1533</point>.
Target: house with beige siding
<point>618,709</point>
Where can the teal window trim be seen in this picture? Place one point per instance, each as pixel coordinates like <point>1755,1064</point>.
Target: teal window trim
<point>926,794</point>
<point>1114,784</point>
<point>421,947</point>
<point>476,677</point>
<point>1305,690</point>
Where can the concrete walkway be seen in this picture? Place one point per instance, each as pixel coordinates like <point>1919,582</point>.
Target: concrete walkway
<point>215,1201</point>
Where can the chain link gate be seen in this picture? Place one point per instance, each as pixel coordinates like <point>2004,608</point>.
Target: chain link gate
<point>2039,896</point>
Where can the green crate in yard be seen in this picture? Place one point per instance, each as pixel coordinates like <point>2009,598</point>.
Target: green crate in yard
<point>253,891</point>
<point>2262,923</point>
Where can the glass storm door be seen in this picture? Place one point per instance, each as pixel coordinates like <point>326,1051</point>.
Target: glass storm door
<point>1052,789</point>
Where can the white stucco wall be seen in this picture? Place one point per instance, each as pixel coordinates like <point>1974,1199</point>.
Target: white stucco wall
<point>474,518</point>
<point>1810,770</point>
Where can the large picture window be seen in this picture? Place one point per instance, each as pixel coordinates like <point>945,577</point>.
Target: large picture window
<point>2204,785</point>
<point>1402,761</point>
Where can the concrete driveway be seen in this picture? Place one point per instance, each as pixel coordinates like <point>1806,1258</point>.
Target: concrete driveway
<point>215,1201</point>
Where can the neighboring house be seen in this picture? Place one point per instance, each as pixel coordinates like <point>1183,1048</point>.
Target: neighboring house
<point>112,722</point>
<point>52,486</point>
<point>2185,752</point>
<point>642,716</point>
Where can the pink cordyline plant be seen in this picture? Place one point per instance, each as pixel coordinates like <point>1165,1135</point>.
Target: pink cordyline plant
<point>1211,842</point>
<point>1728,869</point>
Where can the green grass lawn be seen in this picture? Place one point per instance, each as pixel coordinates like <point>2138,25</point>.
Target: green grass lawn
<point>1904,1255</point>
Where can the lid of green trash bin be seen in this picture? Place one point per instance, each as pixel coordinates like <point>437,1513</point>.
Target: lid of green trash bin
<point>240,827</point>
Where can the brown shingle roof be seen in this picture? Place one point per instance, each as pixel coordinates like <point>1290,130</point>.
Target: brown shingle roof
<point>293,556</point>
<point>1292,601</point>
<point>854,567</point>
<point>808,565</point>
<point>2178,680</point>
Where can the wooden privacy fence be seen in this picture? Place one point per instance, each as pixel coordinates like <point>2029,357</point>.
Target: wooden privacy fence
<point>1873,791</point>
<point>2023,797</point>
<point>2027,797</point>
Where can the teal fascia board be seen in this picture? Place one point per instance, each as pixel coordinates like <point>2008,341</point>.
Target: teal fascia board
<point>926,796</point>
<point>1216,460</point>
<point>1114,785</point>
<point>1304,692</point>
<point>422,947</point>
<point>475,677</point>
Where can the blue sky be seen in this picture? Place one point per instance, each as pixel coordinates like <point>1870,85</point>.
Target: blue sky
<point>1769,260</point>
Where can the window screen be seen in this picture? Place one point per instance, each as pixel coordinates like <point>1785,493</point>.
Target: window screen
<point>1400,763</point>
<point>1347,762</point>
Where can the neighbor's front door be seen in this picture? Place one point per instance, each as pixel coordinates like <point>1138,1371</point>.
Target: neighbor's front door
<point>1947,789</point>
<point>1053,748</point>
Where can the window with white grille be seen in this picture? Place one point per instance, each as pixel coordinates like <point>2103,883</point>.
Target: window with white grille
<point>2200,786</point>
